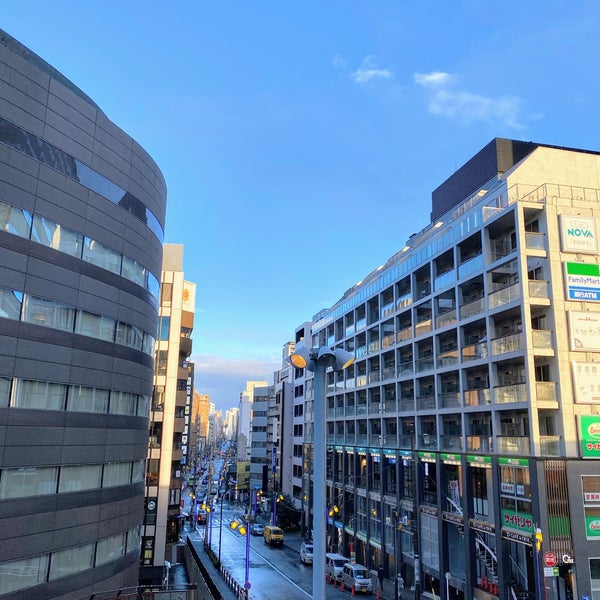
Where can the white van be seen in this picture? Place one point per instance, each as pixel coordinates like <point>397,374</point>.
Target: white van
<point>357,577</point>
<point>334,565</point>
<point>306,553</point>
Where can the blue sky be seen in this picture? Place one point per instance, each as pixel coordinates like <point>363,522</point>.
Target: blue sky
<point>301,141</point>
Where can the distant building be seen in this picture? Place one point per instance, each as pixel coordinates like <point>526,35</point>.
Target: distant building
<point>82,209</point>
<point>173,384</point>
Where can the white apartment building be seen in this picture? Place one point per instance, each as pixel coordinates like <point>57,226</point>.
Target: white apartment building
<point>463,443</point>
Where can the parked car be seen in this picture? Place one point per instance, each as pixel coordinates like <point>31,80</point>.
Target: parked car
<point>356,577</point>
<point>257,529</point>
<point>201,516</point>
<point>306,553</point>
<point>273,535</point>
<point>334,565</point>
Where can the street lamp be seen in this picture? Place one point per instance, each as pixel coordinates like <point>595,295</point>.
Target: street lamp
<point>244,529</point>
<point>221,518</point>
<point>319,360</point>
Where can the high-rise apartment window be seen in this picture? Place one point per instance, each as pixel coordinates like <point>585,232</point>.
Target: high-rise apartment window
<point>161,362</point>
<point>166,294</point>
<point>479,490</point>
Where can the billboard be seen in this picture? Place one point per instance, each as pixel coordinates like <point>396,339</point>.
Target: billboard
<point>582,281</point>
<point>586,382</point>
<point>584,331</point>
<point>578,234</point>
<point>589,435</point>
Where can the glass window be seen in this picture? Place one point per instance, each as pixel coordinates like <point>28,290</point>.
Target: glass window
<point>10,304</point>
<point>143,406</point>
<point>153,287</point>
<point>72,560</point>
<point>134,271</point>
<point>96,253</point>
<point>116,474</point>
<point>21,574</point>
<point>149,344</point>
<point>4,391</point>
<point>56,236</point>
<point>123,403</point>
<point>87,399</point>
<point>97,326</point>
<point>28,481</point>
<point>138,471</point>
<point>130,336</point>
<point>41,395</point>
<point>48,314</point>
<point>110,549</point>
<point>164,327</point>
<point>134,539</point>
<point>15,220</point>
<point>75,478</point>
<point>161,363</point>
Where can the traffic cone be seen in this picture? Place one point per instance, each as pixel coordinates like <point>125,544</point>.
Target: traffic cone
<point>342,585</point>
<point>377,594</point>
<point>353,590</point>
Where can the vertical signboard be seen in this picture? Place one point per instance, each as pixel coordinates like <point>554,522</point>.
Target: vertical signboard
<point>586,382</point>
<point>582,281</point>
<point>589,426</point>
<point>584,331</point>
<point>578,234</point>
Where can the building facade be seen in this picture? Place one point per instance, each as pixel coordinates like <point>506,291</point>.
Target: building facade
<point>82,209</point>
<point>462,443</point>
<point>169,418</point>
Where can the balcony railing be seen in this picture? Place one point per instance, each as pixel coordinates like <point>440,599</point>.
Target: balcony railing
<point>404,334</point>
<point>389,373</point>
<point>423,327</point>
<point>508,343</point>
<point>404,301</point>
<point>349,410</point>
<point>452,443</point>
<point>470,266</point>
<point>480,443</point>
<point>476,307</point>
<point>545,391</point>
<point>406,404</point>
<point>447,359</point>
<point>405,368</point>
<point>362,438</point>
<point>374,347</point>
<point>477,397</point>
<point>513,444</point>
<point>427,441</point>
<point>361,409</point>
<point>361,380</point>
<point>374,408</point>
<point>474,351</point>
<point>550,445</point>
<point>426,402</point>
<point>449,400</point>
<point>504,296</point>
<point>374,376</point>
<point>445,319</point>
<point>404,441</point>
<point>504,394</point>
<point>539,289</point>
<point>535,241</point>
<point>360,352</point>
<point>542,339</point>
<point>444,280</point>
<point>389,406</point>
<point>424,364</point>
<point>388,341</point>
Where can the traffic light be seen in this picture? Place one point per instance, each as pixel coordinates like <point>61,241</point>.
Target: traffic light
<point>538,539</point>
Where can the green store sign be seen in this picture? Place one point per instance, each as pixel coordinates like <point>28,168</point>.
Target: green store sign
<point>592,527</point>
<point>511,519</point>
<point>590,436</point>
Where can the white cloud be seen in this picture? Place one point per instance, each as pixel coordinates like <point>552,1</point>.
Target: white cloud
<point>466,105</point>
<point>368,71</point>
<point>432,79</point>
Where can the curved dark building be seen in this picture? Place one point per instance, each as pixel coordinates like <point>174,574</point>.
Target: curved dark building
<point>82,209</point>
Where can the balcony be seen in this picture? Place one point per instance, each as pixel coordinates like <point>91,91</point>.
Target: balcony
<point>545,392</point>
<point>360,352</point>
<point>362,439</point>
<point>426,402</point>
<point>542,342</point>
<point>423,327</point>
<point>374,377</point>
<point>505,394</point>
<point>405,441</point>
<point>444,280</point>
<point>504,296</point>
<point>404,301</point>
<point>447,359</point>
<point>477,397</point>
<point>373,347</point>
<point>549,445</point>
<point>388,341</point>
<point>406,404</point>
<point>474,351</point>
<point>427,441</point>
<point>389,373</point>
<point>535,241</point>
<point>508,343</point>
<point>449,400</point>
<point>361,380</point>
<point>446,319</point>
<point>513,445</point>
<point>374,408</point>
<point>389,405</point>
<point>404,334</point>
<point>472,309</point>
<point>405,368</point>
<point>349,411</point>
<point>539,290</point>
<point>470,265</point>
<point>480,443</point>
<point>424,364</point>
<point>451,443</point>
<point>361,409</point>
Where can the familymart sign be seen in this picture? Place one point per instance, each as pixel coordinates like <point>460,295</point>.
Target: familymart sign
<point>582,281</point>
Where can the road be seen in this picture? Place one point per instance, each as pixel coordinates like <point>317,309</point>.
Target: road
<point>274,572</point>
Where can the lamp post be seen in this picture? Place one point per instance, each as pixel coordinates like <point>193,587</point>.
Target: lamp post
<point>221,521</point>
<point>319,360</point>
<point>244,529</point>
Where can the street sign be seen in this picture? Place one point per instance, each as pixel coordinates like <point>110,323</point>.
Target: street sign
<point>247,585</point>
<point>550,559</point>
